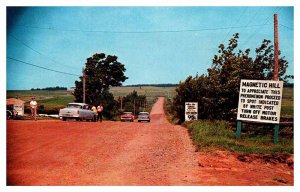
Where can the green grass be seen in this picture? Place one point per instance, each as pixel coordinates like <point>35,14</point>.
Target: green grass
<point>220,135</point>
<point>287,105</point>
<point>50,100</point>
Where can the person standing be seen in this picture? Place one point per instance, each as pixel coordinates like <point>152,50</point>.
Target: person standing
<point>33,107</point>
<point>100,110</point>
<point>94,109</point>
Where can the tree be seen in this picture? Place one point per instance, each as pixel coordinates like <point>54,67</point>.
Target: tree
<point>134,101</point>
<point>102,72</point>
<point>217,92</point>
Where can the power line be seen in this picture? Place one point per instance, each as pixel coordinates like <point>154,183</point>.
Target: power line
<point>44,55</point>
<point>237,21</point>
<point>292,29</point>
<point>265,23</point>
<point>42,67</point>
<point>140,32</point>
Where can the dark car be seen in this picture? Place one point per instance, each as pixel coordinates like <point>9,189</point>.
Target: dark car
<point>127,116</point>
<point>143,116</point>
<point>11,113</point>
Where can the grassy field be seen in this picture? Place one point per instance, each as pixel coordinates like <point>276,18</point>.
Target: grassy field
<point>49,100</point>
<point>287,105</point>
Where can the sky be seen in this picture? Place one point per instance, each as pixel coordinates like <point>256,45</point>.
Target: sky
<point>156,44</point>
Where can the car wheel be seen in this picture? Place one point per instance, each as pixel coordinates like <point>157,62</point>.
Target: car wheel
<point>8,115</point>
<point>64,118</point>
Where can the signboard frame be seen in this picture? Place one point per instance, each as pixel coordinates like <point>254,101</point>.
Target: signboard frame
<point>191,111</point>
<point>260,101</point>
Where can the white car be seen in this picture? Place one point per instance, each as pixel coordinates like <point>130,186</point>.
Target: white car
<point>143,116</point>
<point>78,111</point>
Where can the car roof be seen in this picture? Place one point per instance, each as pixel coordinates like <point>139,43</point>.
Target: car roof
<point>143,113</point>
<point>77,104</point>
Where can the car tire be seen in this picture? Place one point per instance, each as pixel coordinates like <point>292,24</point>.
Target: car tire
<point>64,118</point>
<point>8,115</point>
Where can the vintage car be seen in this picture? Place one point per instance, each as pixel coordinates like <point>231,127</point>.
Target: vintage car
<point>78,111</point>
<point>143,116</point>
<point>11,113</point>
<point>127,116</point>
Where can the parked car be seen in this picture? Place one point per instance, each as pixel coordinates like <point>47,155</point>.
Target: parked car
<point>127,116</point>
<point>11,113</point>
<point>78,111</point>
<point>143,116</point>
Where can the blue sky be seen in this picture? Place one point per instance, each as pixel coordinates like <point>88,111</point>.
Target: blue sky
<point>156,44</point>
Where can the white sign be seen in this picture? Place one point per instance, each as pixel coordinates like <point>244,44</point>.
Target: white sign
<point>191,111</point>
<point>260,101</point>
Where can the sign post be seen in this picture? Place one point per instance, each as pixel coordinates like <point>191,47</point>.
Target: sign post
<point>191,111</point>
<point>260,101</point>
<point>238,129</point>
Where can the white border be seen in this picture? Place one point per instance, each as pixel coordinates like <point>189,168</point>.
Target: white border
<point>5,3</point>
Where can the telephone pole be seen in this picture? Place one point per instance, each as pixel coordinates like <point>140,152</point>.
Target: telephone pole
<point>83,86</point>
<point>121,103</point>
<point>276,51</point>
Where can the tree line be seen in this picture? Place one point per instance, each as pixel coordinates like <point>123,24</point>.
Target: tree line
<point>49,88</point>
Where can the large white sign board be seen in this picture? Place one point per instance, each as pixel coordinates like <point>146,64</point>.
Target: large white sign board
<point>260,101</point>
<point>191,111</point>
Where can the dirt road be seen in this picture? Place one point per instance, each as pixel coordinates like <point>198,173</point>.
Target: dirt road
<point>120,153</point>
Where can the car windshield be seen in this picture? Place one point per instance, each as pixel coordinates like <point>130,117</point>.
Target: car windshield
<point>143,113</point>
<point>74,106</point>
<point>127,113</point>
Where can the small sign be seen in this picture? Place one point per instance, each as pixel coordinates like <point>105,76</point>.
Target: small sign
<point>260,101</point>
<point>191,111</point>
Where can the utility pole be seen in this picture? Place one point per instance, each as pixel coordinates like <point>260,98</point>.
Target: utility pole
<point>121,103</point>
<point>134,107</point>
<point>275,72</point>
<point>276,51</point>
<point>83,86</point>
